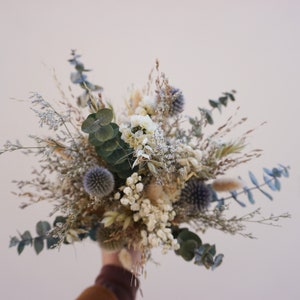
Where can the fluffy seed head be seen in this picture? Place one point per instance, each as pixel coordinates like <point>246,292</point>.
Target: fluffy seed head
<point>98,181</point>
<point>197,194</point>
<point>153,191</point>
<point>226,184</point>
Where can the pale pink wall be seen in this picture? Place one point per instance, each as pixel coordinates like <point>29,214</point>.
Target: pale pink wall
<point>205,47</point>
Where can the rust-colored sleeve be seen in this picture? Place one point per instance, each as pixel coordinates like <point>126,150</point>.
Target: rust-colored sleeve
<point>113,283</point>
<point>97,292</point>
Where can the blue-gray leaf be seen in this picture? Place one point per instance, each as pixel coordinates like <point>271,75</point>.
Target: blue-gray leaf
<point>42,228</point>
<point>270,183</point>
<point>253,179</point>
<point>38,244</point>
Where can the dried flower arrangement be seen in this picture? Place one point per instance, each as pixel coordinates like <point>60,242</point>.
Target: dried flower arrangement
<point>145,179</point>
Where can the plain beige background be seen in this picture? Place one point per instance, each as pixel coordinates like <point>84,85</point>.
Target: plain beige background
<point>205,47</point>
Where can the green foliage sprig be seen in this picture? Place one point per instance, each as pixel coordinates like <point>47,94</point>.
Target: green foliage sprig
<point>271,179</point>
<point>105,136</point>
<point>79,77</point>
<point>222,101</point>
<point>191,247</point>
<point>45,236</point>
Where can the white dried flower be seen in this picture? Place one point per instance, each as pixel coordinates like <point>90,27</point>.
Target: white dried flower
<point>139,187</point>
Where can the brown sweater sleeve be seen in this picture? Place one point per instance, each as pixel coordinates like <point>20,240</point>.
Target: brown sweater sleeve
<point>113,283</point>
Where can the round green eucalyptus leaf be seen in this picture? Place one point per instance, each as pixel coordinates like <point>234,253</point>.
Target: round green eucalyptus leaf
<point>104,133</point>
<point>187,249</point>
<point>105,116</point>
<point>176,230</point>
<point>110,145</point>
<point>94,141</point>
<point>90,124</point>
<point>186,235</point>
<point>101,152</point>
<point>42,228</point>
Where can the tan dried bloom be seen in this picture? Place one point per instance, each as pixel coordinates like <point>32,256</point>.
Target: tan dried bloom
<point>226,184</point>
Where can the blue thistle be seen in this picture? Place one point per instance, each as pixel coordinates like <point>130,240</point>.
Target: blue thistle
<point>197,194</point>
<point>98,181</point>
<point>177,103</point>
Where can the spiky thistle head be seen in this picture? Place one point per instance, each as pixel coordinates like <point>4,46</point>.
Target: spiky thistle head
<point>98,181</point>
<point>196,194</point>
<point>177,101</point>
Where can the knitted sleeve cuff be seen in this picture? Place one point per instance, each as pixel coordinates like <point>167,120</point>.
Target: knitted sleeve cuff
<point>120,281</point>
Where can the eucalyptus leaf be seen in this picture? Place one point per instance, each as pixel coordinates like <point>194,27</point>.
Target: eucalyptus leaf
<point>234,196</point>
<point>268,172</point>
<point>52,242</point>
<point>284,170</point>
<point>269,181</point>
<point>102,153</point>
<point>231,96</point>
<point>93,233</point>
<point>208,117</point>
<point>186,235</point>
<point>77,77</point>
<point>218,261</point>
<point>21,247</point>
<point>276,172</point>
<point>187,249</point>
<point>214,103</point>
<point>118,157</point>
<point>253,179</point>
<point>38,244</point>
<point>208,260</point>
<point>265,193</point>
<point>105,116</point>
<point>104,133</point>
<point>79,67</point>
<point>124,174</point>
<point>59,220</point>
<point>90,124</point>
<point>42,228</point>
<point>14,241</point>
<point>92,87</point>
<point>26,238</point>
<point>223,100</point>
<point>249,195</point>
<point>94,141</point>
<point>277,184</point>
<point>110,145</point>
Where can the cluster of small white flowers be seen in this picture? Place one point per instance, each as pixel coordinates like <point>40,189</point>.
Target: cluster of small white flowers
<point>155,217</point>
<point>140,136</point>
<point>132,191</point>
<point>189,158</point>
